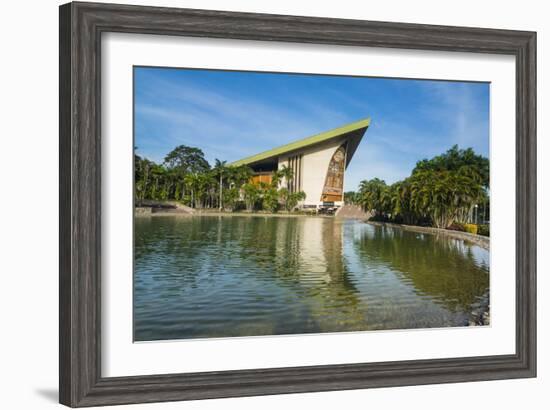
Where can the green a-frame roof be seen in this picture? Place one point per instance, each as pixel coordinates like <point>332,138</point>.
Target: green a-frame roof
<point>305,142</point>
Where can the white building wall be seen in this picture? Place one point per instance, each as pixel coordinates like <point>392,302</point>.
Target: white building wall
<point>315,163</point>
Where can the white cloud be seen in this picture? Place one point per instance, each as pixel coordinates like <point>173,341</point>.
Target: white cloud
<point>225,125</point>
<point>230,125</point>
<point>457,105</point>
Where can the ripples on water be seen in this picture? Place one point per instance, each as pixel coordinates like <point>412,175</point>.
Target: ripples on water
<point>219,276</point>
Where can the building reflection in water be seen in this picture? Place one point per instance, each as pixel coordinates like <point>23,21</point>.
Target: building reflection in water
<point>216,276</point>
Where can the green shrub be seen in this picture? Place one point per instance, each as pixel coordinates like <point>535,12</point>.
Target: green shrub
<point>483,230</point>
<point>379,218</point>
<point>470,228</point>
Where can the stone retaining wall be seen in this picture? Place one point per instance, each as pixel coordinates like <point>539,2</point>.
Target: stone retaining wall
<point>479,240</point>
<point>143,210</point>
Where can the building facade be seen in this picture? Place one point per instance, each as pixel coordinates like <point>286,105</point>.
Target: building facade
<point>318,164</point>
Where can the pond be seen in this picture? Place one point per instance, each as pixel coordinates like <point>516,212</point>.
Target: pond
<point>223,276</point>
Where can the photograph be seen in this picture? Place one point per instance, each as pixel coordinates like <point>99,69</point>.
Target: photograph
<point>270,203</point>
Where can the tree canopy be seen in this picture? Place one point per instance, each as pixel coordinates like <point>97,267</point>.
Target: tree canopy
<point>465,161</point>
<point>186,176</point>
<point>439,191</point>
<point>186,159</point>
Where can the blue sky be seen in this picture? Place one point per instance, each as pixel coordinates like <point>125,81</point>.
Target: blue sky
<point>231,115</point>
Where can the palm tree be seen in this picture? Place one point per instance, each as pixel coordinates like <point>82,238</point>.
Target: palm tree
<point>203,181</point>
<point>373,195</point>
<point>192,182</point>
<point>283,196</point>
<point>275,179</point>
<point>270,199</point>
<point>158,173</point>
<point>241,175</point>
<point>251,195</point>
<point>286,173</point>
<point>293,199</point>
<point>220,169</point>
<point>351,198</point>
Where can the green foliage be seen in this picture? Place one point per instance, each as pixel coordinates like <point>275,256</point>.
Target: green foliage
<point>294,199</point>
<point>352,198</point>
<point>270,199</point>
<point>186,159</point>
<point>443,196</point>
<point>285,173</point>
<point>374,195</point>
<point>230,198</point>
<point>483,230</point>
<point>219,171</point>
<point>290,200</point>
<point>252,195</point>
<point>238,176</point>
<point>465,161</point>
<point>283,195</point>
<point>186,176</point>
<point>379,218</point>
<point>439,191</point>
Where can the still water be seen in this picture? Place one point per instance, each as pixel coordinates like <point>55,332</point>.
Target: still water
<point>220,276</point>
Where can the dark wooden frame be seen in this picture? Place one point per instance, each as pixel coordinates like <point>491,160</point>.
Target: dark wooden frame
<point>81,26</point>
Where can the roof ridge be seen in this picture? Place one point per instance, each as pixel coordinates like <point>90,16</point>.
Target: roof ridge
<point>304,142</point>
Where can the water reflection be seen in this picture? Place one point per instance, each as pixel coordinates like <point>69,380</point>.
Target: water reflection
<point>237,276</point>
<point>450,271</point>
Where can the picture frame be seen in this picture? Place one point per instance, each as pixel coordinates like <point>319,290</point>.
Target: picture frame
<point>81,27</point>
